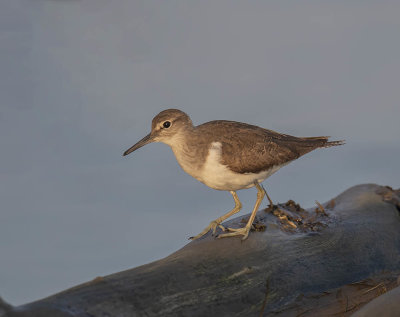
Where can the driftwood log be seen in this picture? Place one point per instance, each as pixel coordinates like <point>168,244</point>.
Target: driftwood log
<point>328,260</point>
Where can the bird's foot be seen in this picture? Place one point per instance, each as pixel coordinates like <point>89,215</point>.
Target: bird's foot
<point>236,232</point>
<point>212,226</point>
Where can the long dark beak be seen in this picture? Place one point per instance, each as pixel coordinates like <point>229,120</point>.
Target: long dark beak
<point>146,140</point>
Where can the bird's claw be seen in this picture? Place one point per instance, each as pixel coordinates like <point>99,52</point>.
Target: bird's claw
<point>219,226</point>
<point>212,226</point>
<point>236,232</point>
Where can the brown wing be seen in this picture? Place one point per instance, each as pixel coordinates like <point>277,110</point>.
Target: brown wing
<point>260,149</point>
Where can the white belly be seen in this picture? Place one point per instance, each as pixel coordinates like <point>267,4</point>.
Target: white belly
<point>219,176</point>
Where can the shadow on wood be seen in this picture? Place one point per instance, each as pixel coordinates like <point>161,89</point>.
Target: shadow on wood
<point>330,259</point>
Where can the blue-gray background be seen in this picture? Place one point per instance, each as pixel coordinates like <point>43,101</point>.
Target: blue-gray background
<point>81,80</point>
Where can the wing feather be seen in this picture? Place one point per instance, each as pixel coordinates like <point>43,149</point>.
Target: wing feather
<point>260,149</point>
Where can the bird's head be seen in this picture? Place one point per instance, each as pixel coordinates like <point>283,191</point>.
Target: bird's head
<point>166,127</point>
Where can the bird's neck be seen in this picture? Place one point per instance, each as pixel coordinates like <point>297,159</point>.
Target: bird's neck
<point>179,139</point>
<point>187,151</point>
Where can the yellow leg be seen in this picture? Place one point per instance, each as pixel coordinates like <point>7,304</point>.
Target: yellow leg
<point>269,199</point>
<point>217,222</point>
<point>245,231</point>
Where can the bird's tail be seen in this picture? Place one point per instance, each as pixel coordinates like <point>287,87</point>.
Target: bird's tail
<point>334,143</point>
<point>322,141</point>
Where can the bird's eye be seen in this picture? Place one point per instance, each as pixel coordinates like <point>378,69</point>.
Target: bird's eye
<point>166,124</point>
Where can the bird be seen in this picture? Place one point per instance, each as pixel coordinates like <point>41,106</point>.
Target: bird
<point>228,156</point>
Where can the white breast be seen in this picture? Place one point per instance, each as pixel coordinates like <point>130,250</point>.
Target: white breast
<point>219,176</point>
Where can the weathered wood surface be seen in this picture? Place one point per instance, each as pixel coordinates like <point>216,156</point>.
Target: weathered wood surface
<point>336,259</point>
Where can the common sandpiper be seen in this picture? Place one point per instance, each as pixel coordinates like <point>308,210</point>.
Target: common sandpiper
<point>228,155</point>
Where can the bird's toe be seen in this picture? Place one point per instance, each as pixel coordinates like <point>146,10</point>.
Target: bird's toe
<point>236,232</point>
<point>212,226</point>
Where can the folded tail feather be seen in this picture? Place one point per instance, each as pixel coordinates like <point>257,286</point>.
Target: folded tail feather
<point>322,141</point>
